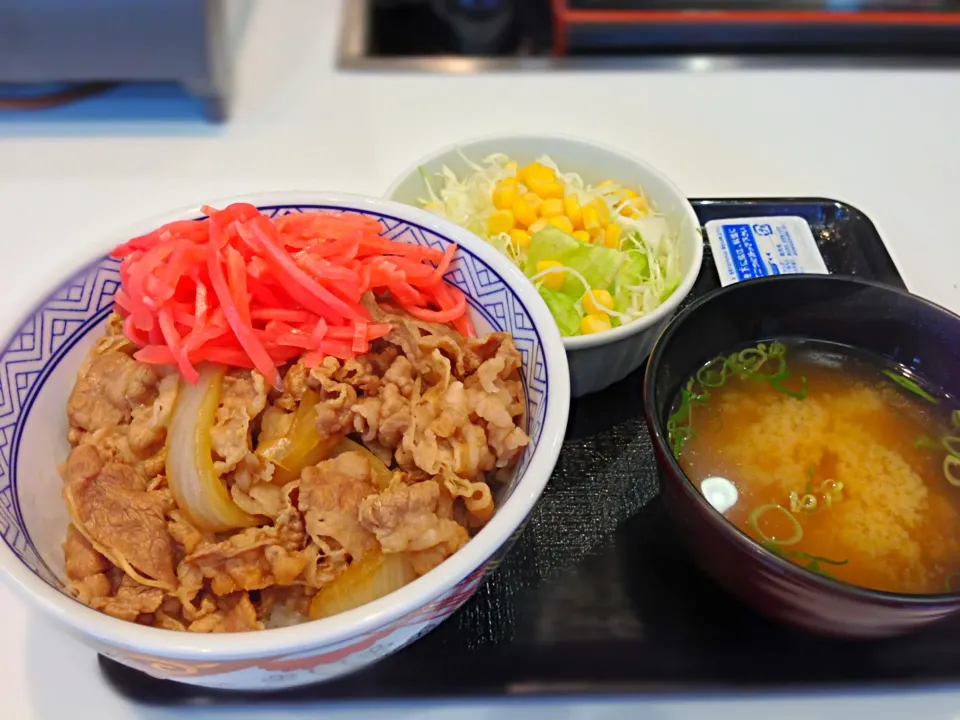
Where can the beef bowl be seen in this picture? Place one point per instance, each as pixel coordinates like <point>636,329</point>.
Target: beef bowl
<point>804,428</point>
<point>259,448</point>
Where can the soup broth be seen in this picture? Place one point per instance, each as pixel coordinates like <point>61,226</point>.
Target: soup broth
<point>831,458</point>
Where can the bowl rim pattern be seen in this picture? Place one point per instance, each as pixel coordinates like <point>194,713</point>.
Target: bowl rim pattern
<point>675,473</point>
<point>373,616</point>
<point>687,281</point>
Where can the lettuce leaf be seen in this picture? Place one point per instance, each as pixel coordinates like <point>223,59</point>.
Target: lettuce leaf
<point>598,265</point>
<point>564,311</point>
<point>549,244</point>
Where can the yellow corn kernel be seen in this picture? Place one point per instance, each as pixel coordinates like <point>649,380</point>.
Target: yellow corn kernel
<point>606,184</point>
<point>594,323</point>
<point>539,179</point>
<point>591,218</point>
<point>544,175</point>
<point>521,238</point>
<point>581,235</point>
<point>536,185</point>
<point>523,213</point>
<point>611,236</point>
<point>551,190</point>
<point>603,300</point>
<point>551,208</point>
<point>535,201</point>
<point>505,192</point>
<point>525,172</point>
<point>572,209</point>
<point>537,226</point>
<point>603,212</point>
<point>562,222</point>
<point>500,221</point>
<point>629,208</point>
<point>511,167</point>
<point>553,280</point>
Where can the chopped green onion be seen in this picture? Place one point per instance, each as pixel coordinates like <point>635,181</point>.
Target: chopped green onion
<point>955,418</point>
<point>808,488</point>
<point>752,359</point>
<point>680,422</point>
<point>705,378</point>
<point>951,469</point>
<point>681,436</point>
<point>760,511</point>
<point>925,442</point>
<point>813,561</point>
<point>749,362</point>
<point>952,444</point>
<point>831,487</point>
<point>910,385</point>
<point>818,558</point>
<point>797,394</point>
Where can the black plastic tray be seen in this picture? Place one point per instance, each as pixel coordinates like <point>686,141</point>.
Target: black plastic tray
<point>597,596</point>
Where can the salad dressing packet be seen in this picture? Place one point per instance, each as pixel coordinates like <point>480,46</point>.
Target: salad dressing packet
<point>746,248</point>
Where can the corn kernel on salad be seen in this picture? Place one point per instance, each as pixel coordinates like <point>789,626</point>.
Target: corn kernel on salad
<point>600,255</point>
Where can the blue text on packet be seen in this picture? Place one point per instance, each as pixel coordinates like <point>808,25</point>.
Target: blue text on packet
<point>744,253</point>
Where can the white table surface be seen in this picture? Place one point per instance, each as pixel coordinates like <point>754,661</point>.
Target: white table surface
<point>885,141</point>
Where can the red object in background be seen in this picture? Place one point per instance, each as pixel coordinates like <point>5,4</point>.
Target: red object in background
<point>564,16</point>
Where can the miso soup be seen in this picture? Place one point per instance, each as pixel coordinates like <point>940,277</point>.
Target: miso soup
<point>831,458</point>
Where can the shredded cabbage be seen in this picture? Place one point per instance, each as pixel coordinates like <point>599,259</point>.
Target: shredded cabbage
<point>640,274</point>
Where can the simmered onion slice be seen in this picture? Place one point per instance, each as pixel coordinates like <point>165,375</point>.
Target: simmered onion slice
<point>381,473</point>
<point>197,489</point>
<point>301,447</point>
<point>370,578</point>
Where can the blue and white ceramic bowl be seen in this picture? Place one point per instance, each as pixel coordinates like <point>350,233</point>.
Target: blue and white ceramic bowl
<point>38,369</point>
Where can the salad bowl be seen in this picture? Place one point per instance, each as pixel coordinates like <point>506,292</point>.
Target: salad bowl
<point>596,360</point>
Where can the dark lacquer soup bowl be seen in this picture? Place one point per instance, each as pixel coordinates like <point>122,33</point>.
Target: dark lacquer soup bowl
<point>918,335</point>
